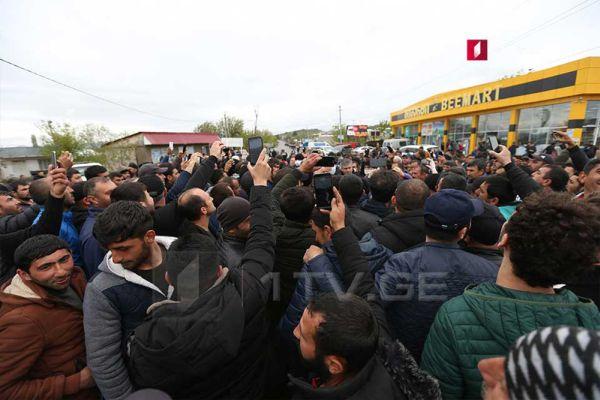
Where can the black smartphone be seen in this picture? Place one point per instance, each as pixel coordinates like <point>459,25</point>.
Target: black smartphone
<point>493,141</point>
<point>53,161</point>
<point>255,146</point>
<point>326,162</point>
<point>378,162</point>
<point>323,189</point>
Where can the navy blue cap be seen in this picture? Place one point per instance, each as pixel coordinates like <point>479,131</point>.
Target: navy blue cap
<point>451,209</point>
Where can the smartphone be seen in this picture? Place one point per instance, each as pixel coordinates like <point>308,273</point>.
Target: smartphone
<point>323,189</point>
<point>378,162</point>
<point>493,141</point>
<point>255,146</point>
<point>326,162</point>
<point>53,161</point>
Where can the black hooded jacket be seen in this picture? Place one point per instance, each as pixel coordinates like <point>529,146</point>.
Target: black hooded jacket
<point>400,231</point>
<point>214,346</point>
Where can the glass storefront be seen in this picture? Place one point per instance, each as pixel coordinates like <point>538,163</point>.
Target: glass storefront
<point>432,132</point>
<point>494,124</point>
<point>591,123</point>
<point>411,132</point>
<point>459,133</point>
<point>536,124</point>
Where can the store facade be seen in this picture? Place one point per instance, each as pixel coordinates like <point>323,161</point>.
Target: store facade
<point>517,110</point>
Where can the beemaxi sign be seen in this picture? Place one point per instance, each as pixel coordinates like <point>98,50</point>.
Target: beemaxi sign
<point>485,95</point>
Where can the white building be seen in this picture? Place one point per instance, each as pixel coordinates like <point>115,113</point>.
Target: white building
<point>21,160</point>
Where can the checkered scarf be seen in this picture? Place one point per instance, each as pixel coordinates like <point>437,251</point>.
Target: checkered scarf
<point>560,362</point>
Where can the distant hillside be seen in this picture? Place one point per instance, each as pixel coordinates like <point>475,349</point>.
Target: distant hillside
<point>300,134</point>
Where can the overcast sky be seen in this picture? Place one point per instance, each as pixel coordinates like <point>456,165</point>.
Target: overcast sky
<point>294,62</point>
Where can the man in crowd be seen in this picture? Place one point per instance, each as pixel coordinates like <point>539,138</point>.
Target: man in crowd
<point>156,188</point>
<point>485,320</point>
<point>418,170</point>
<point>74,176</point>
<point>97,193</point>
<point>406,227</point>
<point>94,171</point>
<point>49,222</point>
<point>475,169</point>
<point>42,348</point>
<point>416,282</point>
<point>352,190</point>
<point>292,209</point>
<point>131,277</point>
<point>220,307</point>
<point>40,191</point>
<point>20,189</point>
<point>9,205</point>
<point>483,235</point>
<point>133,191</point>
<point>498,191</point>
<point>382,186</point>
<point>538,362</point>
<point>116,178</point>
<point>233,215</point>
<point>196,207</point>
<point>590,178</point>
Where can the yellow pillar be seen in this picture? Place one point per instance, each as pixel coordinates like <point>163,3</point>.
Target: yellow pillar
<point>445,137</point>
<point>512,128</point>
<point>419,138</point>
<point>473,138</point>
<point>576,117</point>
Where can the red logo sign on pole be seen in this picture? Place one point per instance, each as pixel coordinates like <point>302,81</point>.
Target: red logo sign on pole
<point>477,49</point>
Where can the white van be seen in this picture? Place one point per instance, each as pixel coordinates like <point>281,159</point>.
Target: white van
<point>395,143</point>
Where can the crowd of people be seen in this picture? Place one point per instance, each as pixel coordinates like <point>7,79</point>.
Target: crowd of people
<point>439,275</point>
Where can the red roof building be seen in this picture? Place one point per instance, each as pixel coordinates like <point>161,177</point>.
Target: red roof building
<point>142,147</point>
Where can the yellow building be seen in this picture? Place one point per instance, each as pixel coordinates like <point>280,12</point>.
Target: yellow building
<point>518,110</point>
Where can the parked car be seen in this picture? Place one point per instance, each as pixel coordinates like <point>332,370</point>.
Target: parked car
<point>414,148</point>
<point>395,143</point>
<point>362,150</point>
<point>82,167</point>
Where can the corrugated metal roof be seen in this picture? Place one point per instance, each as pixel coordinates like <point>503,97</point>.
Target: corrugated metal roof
<point>21,152</point>
<point>159,138</point>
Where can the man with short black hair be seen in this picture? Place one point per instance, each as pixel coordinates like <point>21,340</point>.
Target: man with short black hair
<point>97,193</point>
<point>233,215</point>
<point>41,321</point>
<point>550,240</point>
<point>74,176</point>
<point>405,228</point>
<point>382,185</point>
<point>475,169</point>
<point>483,235</point>
<point>133,191</point>
<point>591,178</point>
<point>450,180</point>
<point>351,188</point>
<point>434,271</point>
<point>116,177</point>
<point>9,205</point>
<point>94,171</point>
<point>498,191</point>
<point>156,188</point>
<point>20,189</point>
<point>131,277</point>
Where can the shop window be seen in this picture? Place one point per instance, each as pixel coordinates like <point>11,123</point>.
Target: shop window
<point>494,124</point>
<point>459,133</point>
<point>591,124</point>
<point>536,124</point>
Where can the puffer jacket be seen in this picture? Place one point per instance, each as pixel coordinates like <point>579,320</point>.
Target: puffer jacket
<point>416,282</point>
<point>41,342</point>
<point>361,221</point>
<point>484,322</point>
<point>400,231</point>
<point>324,274</point>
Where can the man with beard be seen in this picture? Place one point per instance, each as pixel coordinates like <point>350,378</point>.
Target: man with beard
<point>40,191</point>
<point>21,191</point>
<point>130,278</point>
<point>41,325</point>
<point>9,205</point>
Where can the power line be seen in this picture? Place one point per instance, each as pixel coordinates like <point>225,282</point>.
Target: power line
<point>104,99</point>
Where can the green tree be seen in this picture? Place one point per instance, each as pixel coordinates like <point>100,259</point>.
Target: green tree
<point>230,127</point>
<point>206,126</point>
<point>34,141</point>
<point>60,137</point>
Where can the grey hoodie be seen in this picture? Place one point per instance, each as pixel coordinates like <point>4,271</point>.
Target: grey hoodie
<point>115,303</point>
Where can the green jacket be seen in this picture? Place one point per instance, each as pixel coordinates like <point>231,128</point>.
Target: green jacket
<point>484,322</point>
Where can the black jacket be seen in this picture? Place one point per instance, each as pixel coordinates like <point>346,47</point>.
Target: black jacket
<point>49,222</point>
<point>213,347</point>
<point>361,221</point>
<point>494,256</point>
<point>23,220</point>
<point>376,207</point>
<point>231,250</point>
<point>400,231</point>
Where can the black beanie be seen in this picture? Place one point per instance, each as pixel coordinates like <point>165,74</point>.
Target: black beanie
<point>485,228</point>
<point>233,211</point>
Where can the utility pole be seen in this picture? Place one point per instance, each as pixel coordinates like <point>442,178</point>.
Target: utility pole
<point>340,114</point>
<point>225,127</point>
<point>255,120</point>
